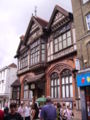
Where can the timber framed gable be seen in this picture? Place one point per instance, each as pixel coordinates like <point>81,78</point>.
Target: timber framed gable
<point>59,18</point>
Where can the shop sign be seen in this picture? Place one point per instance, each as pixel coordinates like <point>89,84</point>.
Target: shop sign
<point>83,79</point>
<point>77,64</point>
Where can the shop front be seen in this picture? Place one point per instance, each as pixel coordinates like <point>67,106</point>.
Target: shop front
<point>83,81</point>
<point>33,87</point>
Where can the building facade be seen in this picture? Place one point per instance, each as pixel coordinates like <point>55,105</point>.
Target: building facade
<point>81,11</point>
<point>8,75</point>
<point>46,60</point>
<point>16,91</point>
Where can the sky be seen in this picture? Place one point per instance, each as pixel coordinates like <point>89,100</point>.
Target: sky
<point>14,19</point>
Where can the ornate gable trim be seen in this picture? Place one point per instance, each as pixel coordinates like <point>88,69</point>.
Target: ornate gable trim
<point>56,13</point>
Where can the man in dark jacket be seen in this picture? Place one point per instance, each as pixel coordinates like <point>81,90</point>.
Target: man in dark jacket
<point>13,115</point>
<point>48,112</point>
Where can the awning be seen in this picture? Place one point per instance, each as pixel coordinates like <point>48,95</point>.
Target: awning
<point>16,83</point>
<point>35,78</point>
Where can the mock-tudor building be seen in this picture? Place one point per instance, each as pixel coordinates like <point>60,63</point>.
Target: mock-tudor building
<point>46,59</point>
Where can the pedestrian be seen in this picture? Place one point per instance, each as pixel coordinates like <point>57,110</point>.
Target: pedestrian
<point>48,111</point>
<point>1,115</point>
<point>35,112</point>
<point>27,112</point>
<point>13,115</point>
<point>21,110</point>
<point>68,114</point>
<point>6,111</point>
<point>59,112</point>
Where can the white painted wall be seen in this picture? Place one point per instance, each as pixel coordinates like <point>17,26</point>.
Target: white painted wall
<point>8,75</point>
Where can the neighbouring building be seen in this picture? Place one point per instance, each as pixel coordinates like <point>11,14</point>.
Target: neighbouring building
<point>8,75</point>
<point>15,92</point>
<point>46,60</point>
<point>81,11</point>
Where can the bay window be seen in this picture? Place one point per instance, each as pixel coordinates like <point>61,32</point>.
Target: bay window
<point>62,41</point>
<point>35,53</point>
<point>23,60</point>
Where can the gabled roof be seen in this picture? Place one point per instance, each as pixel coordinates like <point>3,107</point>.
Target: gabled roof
<point>61,10</point>
<point>42,23</point>
<point>13,65</point>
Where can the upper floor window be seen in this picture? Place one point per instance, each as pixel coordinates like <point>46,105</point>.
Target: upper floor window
<point>24,60</point>
<point>84,1</point>
<point>50,51</point>
<point>43,50</point>
<point>62,41</point>
<point>88,21</point>
<point>55,86</point>
<point>35,53</point>
<point>67,87</point>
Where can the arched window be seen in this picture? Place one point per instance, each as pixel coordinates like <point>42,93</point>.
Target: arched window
<point>55,85</point>
<point>26,90</point>
<point>66,83</point>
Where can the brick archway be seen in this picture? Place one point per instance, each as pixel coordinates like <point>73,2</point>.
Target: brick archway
<point>59,67</point>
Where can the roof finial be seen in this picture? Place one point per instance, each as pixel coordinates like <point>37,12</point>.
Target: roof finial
<point>35,11</point>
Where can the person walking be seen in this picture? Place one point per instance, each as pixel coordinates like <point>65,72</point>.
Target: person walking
<point>48,111</point>
<point>13,115</point>
<point>27,112</point>
<point>59,112</point>
<point>6,111</point>
<point>35,112</point>
<point>68,114</point>
<point>21,110</point>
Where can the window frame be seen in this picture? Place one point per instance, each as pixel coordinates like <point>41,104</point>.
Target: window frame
<point>66,74</point>
<point>25,90</point>
<point>62,41</point>
<point>40,52</point>
<point>55,86</point>
<point>85,1</point>
<point>87,21</point>
<point>24,60</point>
<point>16,91</point>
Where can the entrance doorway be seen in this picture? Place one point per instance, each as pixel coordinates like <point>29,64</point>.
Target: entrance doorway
<point>88,101</point>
